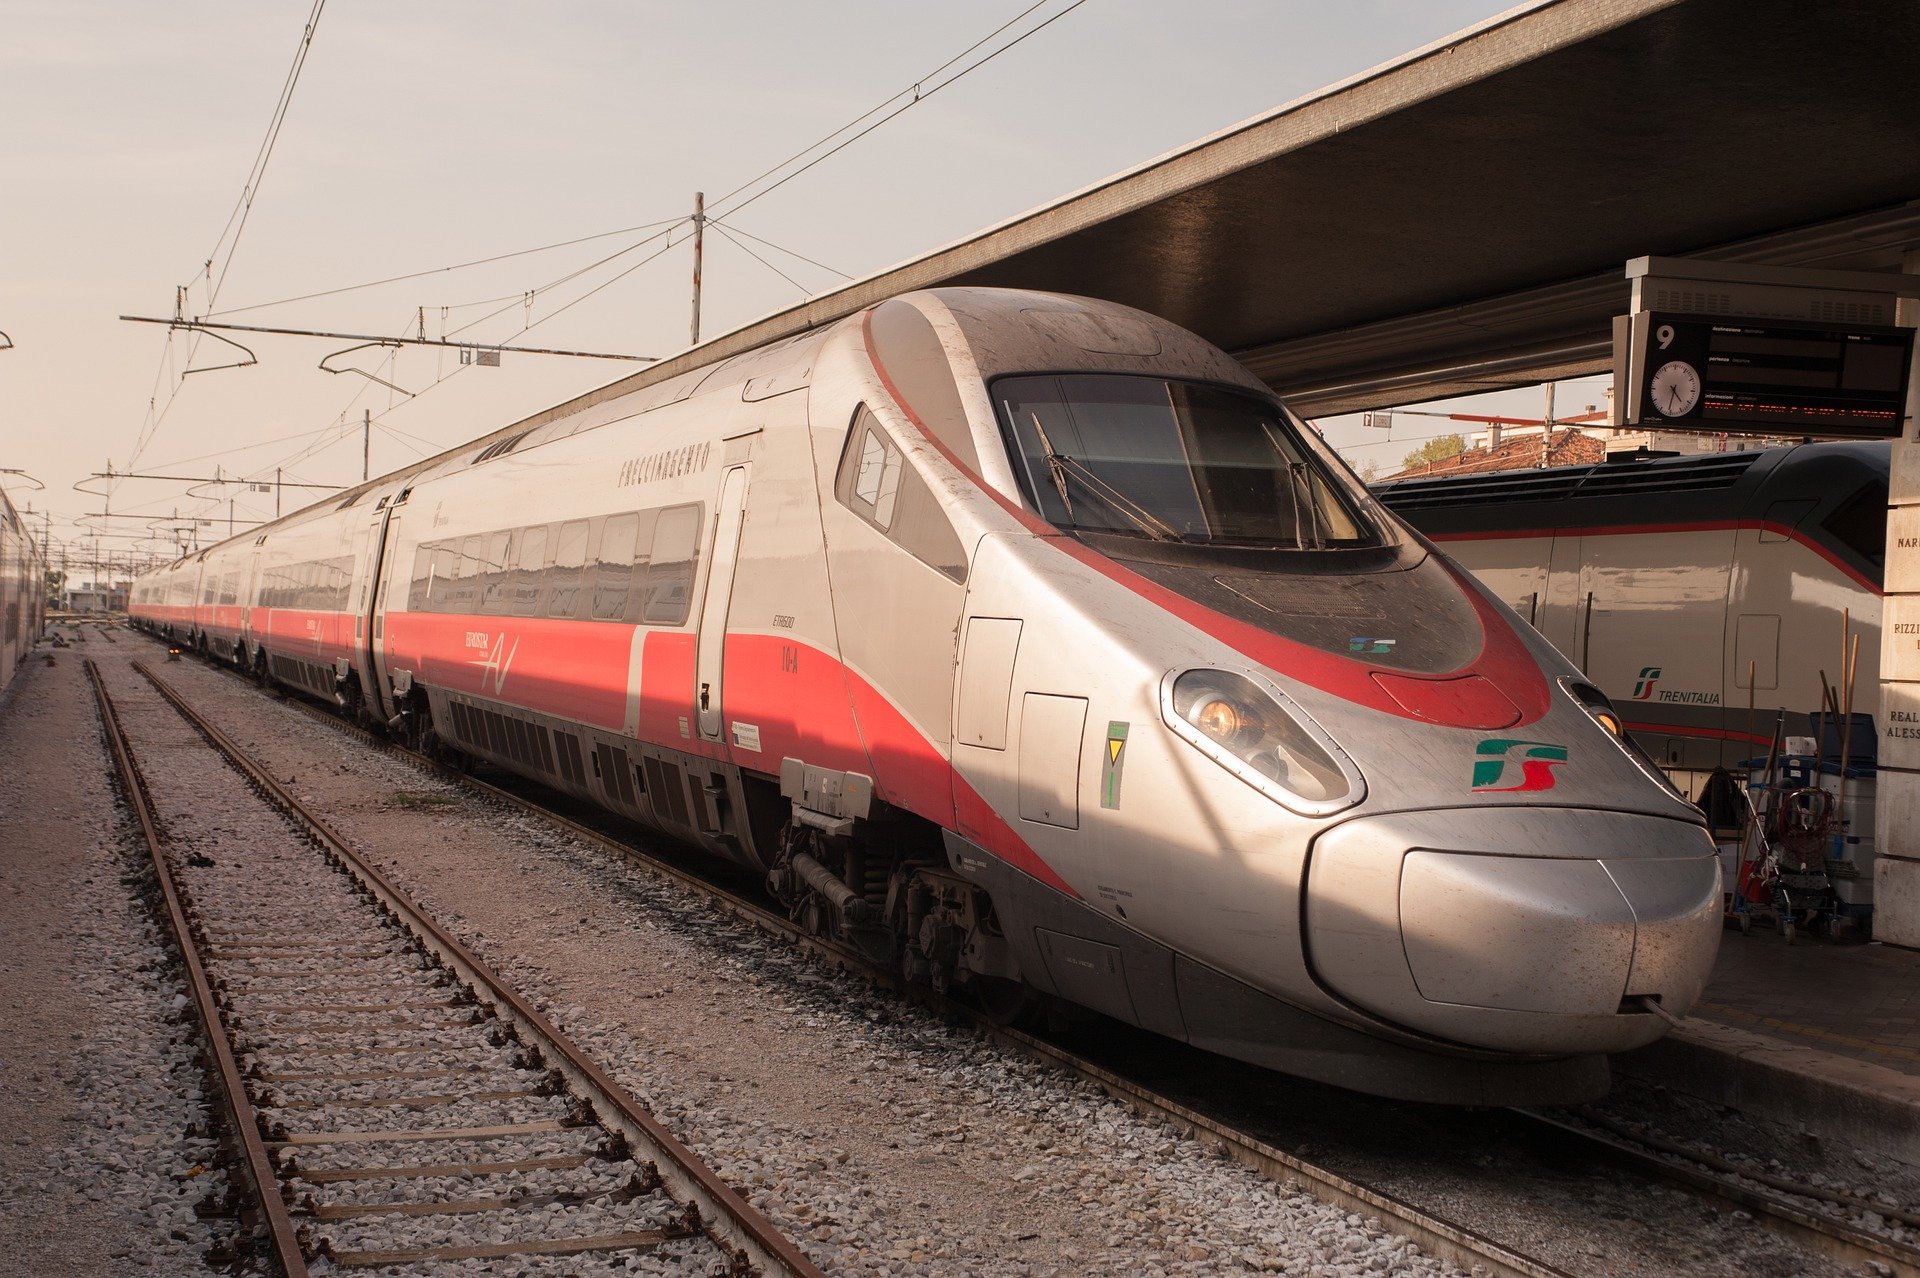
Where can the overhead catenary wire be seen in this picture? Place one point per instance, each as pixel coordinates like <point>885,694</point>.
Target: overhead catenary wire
<point>236,223</point>
<point>258,172</point>
<point>570,276</point>
<point>752,191</point>
<point>916,93</point>
<point>744,248</point>
<point>920,90</point>
<point>779,248</point>
<point>443,270</point>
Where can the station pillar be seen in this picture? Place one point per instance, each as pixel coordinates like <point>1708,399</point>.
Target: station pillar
<point>1896,887</point>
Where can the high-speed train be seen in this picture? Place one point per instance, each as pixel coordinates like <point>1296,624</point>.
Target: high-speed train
<point>1027,641</point>
<point>1670,580</point>
<point>23,591</point>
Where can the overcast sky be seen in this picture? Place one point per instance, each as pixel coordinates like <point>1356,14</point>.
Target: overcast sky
<point>434,132</point>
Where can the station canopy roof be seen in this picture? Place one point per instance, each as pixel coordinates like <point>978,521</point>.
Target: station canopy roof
<point>1460,219</point>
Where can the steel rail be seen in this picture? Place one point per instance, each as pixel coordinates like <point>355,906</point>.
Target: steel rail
<point>243,1120</point>
<point>1442,1238</point>
<point>733,1223</point>
<point>1841,1240</point>
<point>1830,1236</point>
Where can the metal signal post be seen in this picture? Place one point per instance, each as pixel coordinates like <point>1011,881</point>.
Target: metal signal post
<point>699,238</point>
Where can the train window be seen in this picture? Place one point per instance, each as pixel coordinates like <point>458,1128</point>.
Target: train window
<point>529,565</point>
<point>422,574</point>
<point>464,597</point>
<point>446,563</point>
<point>876,475</point>
<point>1173,461</point>
<point>494,573</point>
<point>613,570</point>
<point>1860,524</point>
<point>569,565</point>
<point>342,582</point>
<point>668,592</point>
<point>876,484</point>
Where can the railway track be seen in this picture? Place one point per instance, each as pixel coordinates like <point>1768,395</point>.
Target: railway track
<point>391,1100</point>
<point>1793,1210</point>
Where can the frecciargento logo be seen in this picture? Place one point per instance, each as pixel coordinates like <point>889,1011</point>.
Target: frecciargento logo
<point>1498,759</point>
<point>498,659</point>
<point>1643,688</point>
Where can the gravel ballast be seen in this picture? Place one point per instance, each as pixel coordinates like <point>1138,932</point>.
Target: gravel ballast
<point>887,1142</point>
<point>881,1139</point>
<point>297,951</point>
<point>102,1111</point>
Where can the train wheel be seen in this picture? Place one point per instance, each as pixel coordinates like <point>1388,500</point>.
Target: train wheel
<point>1003,1003</point>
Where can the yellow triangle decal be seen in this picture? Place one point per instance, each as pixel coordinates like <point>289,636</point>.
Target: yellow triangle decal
<point>1113,749</point>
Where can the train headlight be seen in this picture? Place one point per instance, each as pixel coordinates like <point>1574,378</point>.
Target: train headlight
<point>1223,720</point>
<point>1601,711</point>
<point>1259,735</point>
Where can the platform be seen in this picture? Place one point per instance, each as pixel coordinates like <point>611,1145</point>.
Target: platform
<point>1820,1039</point>
<point>1858,1001</point>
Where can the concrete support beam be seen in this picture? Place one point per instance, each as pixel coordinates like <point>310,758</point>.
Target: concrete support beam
<point>1896,880</point>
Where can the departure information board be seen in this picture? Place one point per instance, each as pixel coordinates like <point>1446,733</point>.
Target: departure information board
<point>1696,372</point>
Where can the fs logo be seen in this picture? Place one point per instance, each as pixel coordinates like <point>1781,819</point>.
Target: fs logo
<point>1649,675</point>
<point>1360,643</point>
<point>1537,760</point>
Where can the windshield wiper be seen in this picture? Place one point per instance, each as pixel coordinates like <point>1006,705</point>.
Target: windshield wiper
<point>1059,465</point>
<point>1300,482</point>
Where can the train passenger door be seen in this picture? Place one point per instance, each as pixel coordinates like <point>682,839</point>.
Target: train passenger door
<point>366,567</point>
<point>250,593</point>
<point>384,543</point>
<point>1563,602</point>
<point>1654,634</point>
<point>728,516</point>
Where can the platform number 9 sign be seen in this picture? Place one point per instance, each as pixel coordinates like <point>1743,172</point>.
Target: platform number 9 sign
<point>1675,386</point>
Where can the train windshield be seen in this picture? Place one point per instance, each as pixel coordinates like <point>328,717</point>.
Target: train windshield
<point>1173,461</point>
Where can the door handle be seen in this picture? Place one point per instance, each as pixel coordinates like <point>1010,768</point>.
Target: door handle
<point>706,696</point>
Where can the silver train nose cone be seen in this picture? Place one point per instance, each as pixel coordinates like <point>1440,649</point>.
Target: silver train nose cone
<point>1535,930</point>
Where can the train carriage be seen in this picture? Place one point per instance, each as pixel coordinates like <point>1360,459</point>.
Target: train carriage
<point>1686,587</point>
<point>23,591</point>
<point>1027,642</point>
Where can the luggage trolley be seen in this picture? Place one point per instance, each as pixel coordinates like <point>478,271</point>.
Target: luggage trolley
<point>1793,835</point>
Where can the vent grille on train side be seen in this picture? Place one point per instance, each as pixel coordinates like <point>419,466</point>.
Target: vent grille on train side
<point>507,736</point>
<point>669,790</point>
<point>499,448</point>
<point>1690,474</point>
<point>313,678</point>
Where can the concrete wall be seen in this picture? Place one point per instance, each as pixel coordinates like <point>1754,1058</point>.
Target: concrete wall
<point>1896,889</point>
